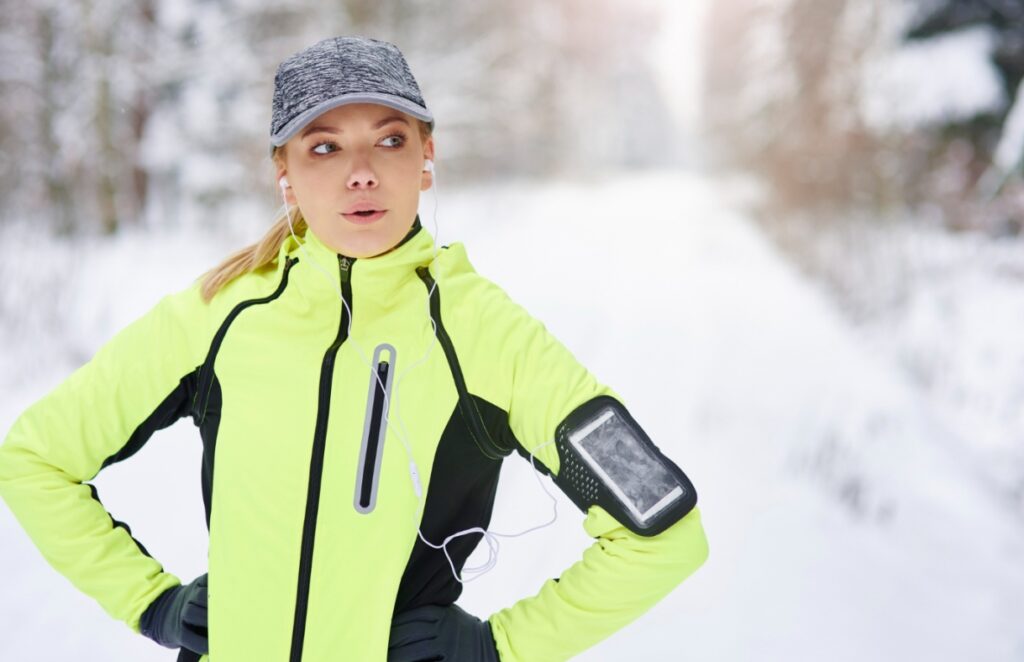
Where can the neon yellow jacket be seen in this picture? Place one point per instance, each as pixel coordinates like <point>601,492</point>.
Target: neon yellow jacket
<point>282,399</point>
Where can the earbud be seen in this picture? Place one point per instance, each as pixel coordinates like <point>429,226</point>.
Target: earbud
<point>428,166</point>
<point>283,182</point>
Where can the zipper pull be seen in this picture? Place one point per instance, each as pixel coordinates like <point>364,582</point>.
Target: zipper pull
<point>345,267</point>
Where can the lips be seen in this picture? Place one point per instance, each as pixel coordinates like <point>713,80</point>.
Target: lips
<point>364,217</point>
<point>363,212</point>
<point>363,207</point>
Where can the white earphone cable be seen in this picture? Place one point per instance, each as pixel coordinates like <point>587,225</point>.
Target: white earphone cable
<point>490,537</point>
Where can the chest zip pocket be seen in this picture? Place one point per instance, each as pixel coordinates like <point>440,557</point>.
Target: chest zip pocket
<point>371,451</point>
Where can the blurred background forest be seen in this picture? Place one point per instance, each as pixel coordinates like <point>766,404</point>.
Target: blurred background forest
<point>123,112</point>
<point>856,114</point>
<point>815,209</point>
<point>867,106</point>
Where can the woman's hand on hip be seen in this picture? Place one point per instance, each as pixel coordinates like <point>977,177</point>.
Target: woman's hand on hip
<point>440,633</point>
<point>177,619</point>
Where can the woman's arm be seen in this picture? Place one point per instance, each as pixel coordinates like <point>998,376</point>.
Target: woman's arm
<point>137,383</point>
<point>620,577</point>
<point>623,574</point>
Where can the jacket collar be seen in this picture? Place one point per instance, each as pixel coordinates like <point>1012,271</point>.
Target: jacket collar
<point>375,276</point>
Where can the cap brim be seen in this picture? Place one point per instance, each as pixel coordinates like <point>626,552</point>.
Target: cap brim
<point>298,122</point>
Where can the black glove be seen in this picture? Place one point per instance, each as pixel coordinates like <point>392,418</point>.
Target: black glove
<point>177,619</point>
<point>440,633</point>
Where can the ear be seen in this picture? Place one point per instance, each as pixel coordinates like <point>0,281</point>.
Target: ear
<point>289,194</point>
<point>427,178</point>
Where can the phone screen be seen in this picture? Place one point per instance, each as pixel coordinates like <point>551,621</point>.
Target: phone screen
<point>627,464</point>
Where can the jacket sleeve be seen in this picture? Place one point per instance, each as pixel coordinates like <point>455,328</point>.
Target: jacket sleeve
<point>622,574</point>
<point>137,383</point>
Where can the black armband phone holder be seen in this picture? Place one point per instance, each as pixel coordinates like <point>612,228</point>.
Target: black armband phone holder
<point>606,459</point>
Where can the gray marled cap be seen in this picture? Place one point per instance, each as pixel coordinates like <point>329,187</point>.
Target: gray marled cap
<point>338,71</point>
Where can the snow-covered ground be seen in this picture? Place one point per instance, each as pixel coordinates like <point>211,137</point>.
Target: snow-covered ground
<point>843,517</point>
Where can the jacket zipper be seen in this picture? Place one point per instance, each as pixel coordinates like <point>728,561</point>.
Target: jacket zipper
<point>372,447</point>
<point>316,463</point>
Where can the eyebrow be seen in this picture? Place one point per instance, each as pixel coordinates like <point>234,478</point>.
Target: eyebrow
<point>331,129</point>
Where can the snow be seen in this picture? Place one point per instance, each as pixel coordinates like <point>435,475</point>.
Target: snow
<point>1011,145</point>
<point>934,81</point>
<point>842,522</point>
<point>957,338</point>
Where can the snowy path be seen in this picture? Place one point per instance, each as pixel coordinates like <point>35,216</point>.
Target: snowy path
<point>840,527</point>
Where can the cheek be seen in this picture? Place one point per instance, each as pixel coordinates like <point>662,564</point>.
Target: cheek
<point>404,171</point>
<point>404,179</point>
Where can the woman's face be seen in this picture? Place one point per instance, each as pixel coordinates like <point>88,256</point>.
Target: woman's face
<point>358,157</point>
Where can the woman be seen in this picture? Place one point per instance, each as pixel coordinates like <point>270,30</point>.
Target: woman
<point>356,389</point>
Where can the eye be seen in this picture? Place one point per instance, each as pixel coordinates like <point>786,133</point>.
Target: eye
<point>400,137</point>
<point>319,145</point>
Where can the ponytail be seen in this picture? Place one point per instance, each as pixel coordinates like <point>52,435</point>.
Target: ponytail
<point>253,257</point>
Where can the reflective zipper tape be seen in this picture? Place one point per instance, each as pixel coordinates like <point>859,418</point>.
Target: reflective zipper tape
<point>371,450</point>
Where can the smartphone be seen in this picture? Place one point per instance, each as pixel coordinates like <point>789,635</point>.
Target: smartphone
<point>628,463</point>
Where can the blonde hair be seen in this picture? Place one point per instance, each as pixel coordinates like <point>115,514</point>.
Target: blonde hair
<point>265,251</point>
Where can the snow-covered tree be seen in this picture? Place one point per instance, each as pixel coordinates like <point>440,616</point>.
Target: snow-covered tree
<point>75,106</point>
<point>874,106</point>
<point>991,194</point>
<point>782,97</point>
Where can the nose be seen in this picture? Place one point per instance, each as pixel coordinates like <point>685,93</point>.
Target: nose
<point>362,175</point>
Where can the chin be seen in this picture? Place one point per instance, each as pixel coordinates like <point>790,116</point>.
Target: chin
<point>361,247</point>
